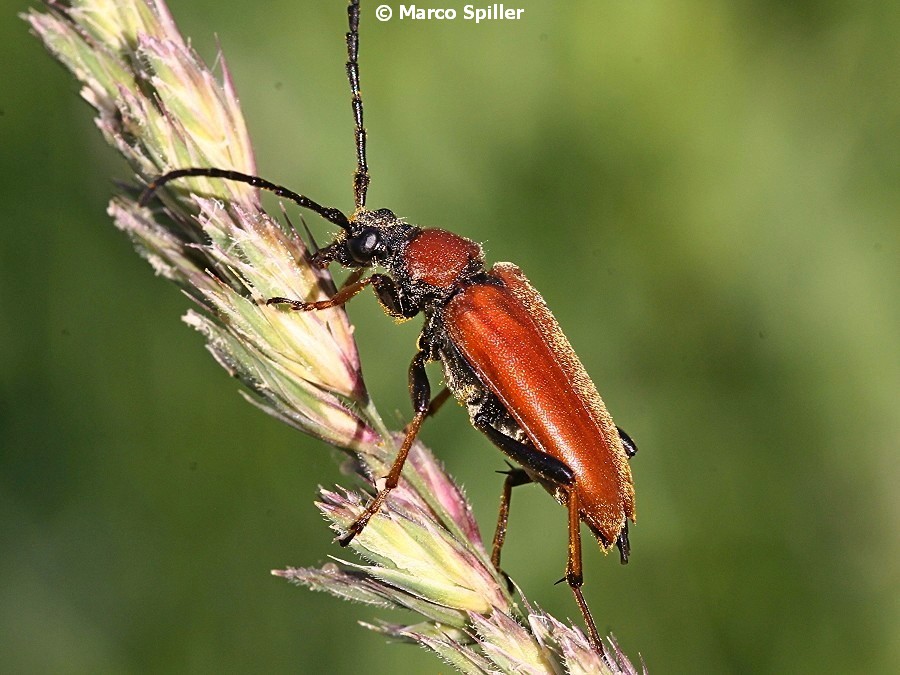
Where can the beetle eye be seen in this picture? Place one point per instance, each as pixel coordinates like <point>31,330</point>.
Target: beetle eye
<point>364,246</point>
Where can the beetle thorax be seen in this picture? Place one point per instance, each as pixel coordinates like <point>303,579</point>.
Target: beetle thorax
<point>441,259</point>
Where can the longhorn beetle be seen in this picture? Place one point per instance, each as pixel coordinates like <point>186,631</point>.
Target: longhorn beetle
<point>504,356</point>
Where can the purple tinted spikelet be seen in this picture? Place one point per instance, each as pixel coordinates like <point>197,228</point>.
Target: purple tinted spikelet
<point>162,109</point>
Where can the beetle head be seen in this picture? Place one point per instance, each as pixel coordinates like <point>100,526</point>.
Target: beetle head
<point>370,238</point>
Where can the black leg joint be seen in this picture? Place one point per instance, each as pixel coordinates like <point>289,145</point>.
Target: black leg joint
<point>419,387</point>
<point>574,580</point>
<point>516,476</point>
<point>547,467</point>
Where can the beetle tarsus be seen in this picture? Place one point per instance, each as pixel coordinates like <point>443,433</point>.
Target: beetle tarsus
<point>296,305</point>
<point>574,576</point>
<point>593,634</point>
<point>362,519</point>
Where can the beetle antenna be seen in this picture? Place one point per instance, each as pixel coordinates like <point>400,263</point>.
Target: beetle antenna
<point>361,175</point>
<point>330,214</point>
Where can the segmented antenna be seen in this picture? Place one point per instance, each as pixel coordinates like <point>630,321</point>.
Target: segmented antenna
<point>361,175</point>
<point>329,213</point>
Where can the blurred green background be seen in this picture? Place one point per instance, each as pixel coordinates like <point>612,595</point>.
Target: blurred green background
<point>705,192</point>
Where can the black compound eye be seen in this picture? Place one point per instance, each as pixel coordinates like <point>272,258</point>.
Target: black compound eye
<point>364,246</point>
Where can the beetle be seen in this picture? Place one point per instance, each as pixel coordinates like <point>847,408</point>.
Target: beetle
<point>504,356</point>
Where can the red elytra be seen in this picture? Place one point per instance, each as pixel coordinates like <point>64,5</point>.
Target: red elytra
<point>505,358</point>
<point>510,337</point>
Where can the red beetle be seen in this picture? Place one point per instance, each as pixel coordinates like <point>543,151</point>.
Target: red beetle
<point>504,356</point>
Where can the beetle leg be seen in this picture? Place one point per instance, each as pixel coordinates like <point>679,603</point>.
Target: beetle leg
<point>389,295</point>
<point>420,390</point>
<point>350,288</point>
<point>547,467</point>
<point>623,544</point>
<point>514,477</point>
<point>392,298</point>
<point>627,443</point>
<point>574,576</point>
<point>558,473</point>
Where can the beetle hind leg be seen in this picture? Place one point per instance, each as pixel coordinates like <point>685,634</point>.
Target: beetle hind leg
<point>539,463</point>
<point>556,473</point>
<point>574,575</point>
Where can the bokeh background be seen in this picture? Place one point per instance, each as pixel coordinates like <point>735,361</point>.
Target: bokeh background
<point>706,193</point>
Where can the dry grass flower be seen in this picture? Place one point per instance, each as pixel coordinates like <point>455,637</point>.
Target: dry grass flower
<point>162,108</point>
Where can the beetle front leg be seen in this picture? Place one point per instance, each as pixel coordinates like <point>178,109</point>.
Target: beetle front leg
<point>392,299</point>
<point>353,285</point>
<point>420,391</point>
